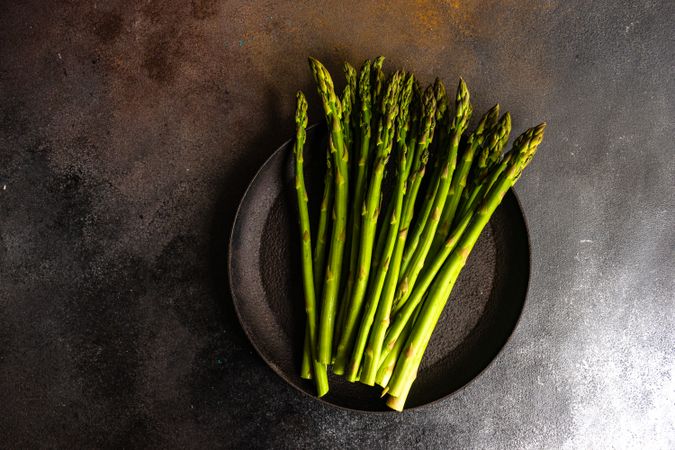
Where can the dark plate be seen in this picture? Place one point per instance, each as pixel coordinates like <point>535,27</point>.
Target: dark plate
<point>264,270</point>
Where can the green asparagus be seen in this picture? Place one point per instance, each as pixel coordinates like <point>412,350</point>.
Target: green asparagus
<point>376,283</point>
<point>320,376</point>
<point>329,296</point>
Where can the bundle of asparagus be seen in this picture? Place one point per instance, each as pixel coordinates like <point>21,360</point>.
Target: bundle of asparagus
<point>373,292</point>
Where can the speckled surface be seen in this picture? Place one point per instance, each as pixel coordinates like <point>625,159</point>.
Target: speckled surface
<point>129,130</point>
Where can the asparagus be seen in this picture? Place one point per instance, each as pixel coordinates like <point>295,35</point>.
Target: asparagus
<point>461,118</point>
<point>320,377</point>
<point>388,361</point>
<point>306,366</point>
<point>414,174</point>
<point>394,276</point>
<point>382,231</point>
<point>442,106</point>
<point>488,158</point>
<point>406,367</point>
<point>319,258</point>
<point>460,176</point>
<point>413,139</point>
<point>431,269</point>
<point>348,102</point>
<point>411,144</point>
<point>421,221</point>
<point>388,111</point>
<point>377,281</point>
<point>438,143</point>
<point>333,112</point>
<point>398,402</point>
<point>362,158</point>
<point>351,132</point>
<point>377,82</point>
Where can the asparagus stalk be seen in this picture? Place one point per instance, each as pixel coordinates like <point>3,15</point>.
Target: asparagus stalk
<point>362,158</point>
<point>377,82</point>
<point>348,102</point>
<point>442,119</point>
<point>461,118</point>
<point>460,176</point>
<point>439,142</point>
<point>382,231</point>
<point>414,174</point>
<point>305,237</point>
<point>406,367</point>
<point>350,131</point>
<point>431,269</point>
<point>388,360</point>
<point>389,110</point>
<point>333,112</point>
<point>411,144</point>
<point>377,281</point>
<point>421,220</point>
<point>397,403</point>
<point>319,258</point>
<point>488,157</point>
<point>306,366</point>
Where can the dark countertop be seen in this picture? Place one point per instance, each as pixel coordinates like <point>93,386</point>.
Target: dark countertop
<point>129,130</point>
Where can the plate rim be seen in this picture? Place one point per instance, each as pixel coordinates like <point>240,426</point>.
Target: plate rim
<point>284,376</point>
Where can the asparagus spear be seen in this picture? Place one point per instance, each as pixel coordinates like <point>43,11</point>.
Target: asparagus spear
<point>421,220</point>
<point>377,281</point>
<point>362,158</point>
<point>377,83</point>
<point>384,226</point>
<point>459,178</point>
<point>333,112</point>
<point>406,367</point>
<point>397,403</point>
<point>348,102</point>
<point>488,157</point>
<point>306,366</point>
<point>461,118</point>
<point>442,118</point>
<point>305,236</point>
<point>414,175</point>
<point>431,269</point>
<point>319,258</point>
<point>382,231</point>
<point>388,361</point>
<point>438,143</point>
<point>389,110</point>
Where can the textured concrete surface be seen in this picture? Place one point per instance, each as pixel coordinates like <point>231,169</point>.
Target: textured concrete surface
<point>128,131</point>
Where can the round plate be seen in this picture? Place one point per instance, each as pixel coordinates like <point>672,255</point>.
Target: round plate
<point>264,271</point>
